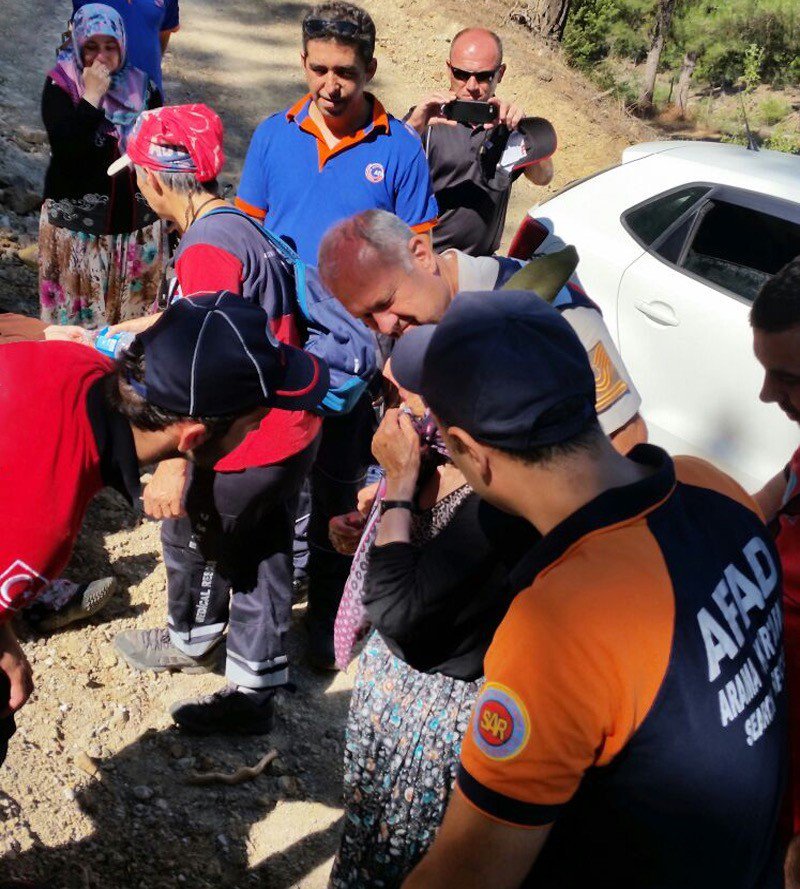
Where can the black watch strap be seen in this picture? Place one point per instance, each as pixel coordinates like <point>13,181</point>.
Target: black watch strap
<point>396,504</point>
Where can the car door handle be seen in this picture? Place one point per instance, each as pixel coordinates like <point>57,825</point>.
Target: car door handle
<point>659,312</point>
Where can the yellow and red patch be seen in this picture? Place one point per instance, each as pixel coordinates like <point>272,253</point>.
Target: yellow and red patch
<point>609,384</point>
<point>500,724</point>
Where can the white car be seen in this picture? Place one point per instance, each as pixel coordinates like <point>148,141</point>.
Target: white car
<point>674,244</point>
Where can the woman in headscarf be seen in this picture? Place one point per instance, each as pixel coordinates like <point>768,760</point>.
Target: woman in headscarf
<point>101,248</point>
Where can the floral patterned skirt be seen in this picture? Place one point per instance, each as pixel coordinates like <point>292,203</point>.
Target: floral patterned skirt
<point>93,280</point>
<point>402,746</point>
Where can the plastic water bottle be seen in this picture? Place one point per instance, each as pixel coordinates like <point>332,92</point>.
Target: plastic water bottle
<point>114,344</point>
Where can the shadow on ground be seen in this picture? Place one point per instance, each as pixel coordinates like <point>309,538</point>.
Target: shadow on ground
<point>201,836</point>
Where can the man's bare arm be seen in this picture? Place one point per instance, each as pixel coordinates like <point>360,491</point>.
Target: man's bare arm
<point>770,497</point>
<point>541,173</point>
<point>164,39</point>
<point>472,850</point>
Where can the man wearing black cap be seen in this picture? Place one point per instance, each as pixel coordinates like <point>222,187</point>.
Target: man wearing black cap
<point>194,384</point>
<point>632,728</point>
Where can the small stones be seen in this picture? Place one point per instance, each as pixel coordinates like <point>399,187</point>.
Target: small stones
<point>289,785</point>
<point>143,792</point>
<point>21,200</point>
<point>178,750</point>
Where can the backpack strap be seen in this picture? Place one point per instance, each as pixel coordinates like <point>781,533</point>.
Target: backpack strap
<point>281,247</point>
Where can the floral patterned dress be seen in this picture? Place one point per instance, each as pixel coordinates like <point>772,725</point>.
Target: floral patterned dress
<point>402,747</point>
<point>93,279</point>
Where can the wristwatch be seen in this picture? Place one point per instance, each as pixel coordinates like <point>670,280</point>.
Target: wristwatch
<point>396,504</point>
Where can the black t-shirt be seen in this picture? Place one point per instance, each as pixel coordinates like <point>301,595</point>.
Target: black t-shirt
<point>438,605</point>
<point>81,153</point>
<point>471,213</point>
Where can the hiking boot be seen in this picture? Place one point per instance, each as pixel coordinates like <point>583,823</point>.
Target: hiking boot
<point>227,711</point>
<point>87,600</point>
<point>153,650</point>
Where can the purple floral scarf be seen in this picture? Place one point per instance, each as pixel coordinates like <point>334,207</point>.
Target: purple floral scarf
<point>127,95</point>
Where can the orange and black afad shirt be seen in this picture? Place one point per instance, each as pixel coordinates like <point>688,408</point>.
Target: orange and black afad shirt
<point>634,694</point>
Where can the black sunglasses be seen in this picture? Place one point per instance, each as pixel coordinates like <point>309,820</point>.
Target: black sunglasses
<point>481,76</point>
<point>317,27</point>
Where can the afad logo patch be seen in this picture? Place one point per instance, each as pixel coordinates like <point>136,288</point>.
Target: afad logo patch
<point>374,172</point>
<point>500,724</point>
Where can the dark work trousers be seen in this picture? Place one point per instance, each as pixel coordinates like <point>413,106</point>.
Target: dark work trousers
<point>337,476</point>
<point>229,561</point>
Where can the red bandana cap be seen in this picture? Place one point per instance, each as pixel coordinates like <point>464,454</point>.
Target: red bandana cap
<point>176,139</point>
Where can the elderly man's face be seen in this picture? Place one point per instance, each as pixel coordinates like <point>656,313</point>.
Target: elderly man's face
<point>475,67</point>
<point>389,297</point>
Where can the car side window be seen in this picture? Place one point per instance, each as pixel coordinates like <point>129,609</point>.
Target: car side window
<point>739,248</point>
<point>650,220</point>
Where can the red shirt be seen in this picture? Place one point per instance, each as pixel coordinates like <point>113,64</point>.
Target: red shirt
<point>788,534</point>
<point>787,528</point>
<point>226,252</point>
<point>49,461</point>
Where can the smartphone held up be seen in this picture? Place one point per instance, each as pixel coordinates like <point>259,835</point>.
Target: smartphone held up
<point>463,111</point>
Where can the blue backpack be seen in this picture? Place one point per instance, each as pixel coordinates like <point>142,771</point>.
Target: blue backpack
<point>344,343</point>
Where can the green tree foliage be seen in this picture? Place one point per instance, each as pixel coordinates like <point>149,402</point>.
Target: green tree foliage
<point>722,33</point>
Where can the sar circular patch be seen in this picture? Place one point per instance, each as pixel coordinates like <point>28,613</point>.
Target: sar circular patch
<point>374,172</point>
<point>500,724</point>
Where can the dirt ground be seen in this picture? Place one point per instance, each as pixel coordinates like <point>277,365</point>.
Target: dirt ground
<point>94,791</point>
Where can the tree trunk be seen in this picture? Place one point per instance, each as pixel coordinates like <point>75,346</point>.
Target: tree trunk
<point>687,69</point>
<point>660,31</point>
<point>549,17</point>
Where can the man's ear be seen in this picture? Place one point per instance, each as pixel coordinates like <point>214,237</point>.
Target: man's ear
<point>372,67</point>
<point>467,449</point>
<point>191,435</point>
<point>303,57</point>
<point>500,72</point>
<point>154,181</point>
<point>421,250</point>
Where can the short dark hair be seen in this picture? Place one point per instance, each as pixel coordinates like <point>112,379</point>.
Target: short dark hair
<point>589,439</point>
<point>123,397</point>
<point>363,37</point>
<point>777,306</point>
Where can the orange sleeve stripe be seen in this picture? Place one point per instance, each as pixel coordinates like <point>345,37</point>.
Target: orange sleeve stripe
<point>423,227</point>
<point>255,212</point>
<point>586,666</point>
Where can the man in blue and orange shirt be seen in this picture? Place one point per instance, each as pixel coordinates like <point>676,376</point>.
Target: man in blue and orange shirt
<point>631,730</point>
<point>332,154</point>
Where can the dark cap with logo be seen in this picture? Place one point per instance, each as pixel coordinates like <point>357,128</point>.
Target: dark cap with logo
<point>214,355</point>
<point>503,366</point>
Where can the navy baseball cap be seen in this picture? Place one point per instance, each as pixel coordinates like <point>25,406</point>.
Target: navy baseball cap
<point>214,355</point>
<point>496,365</point>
